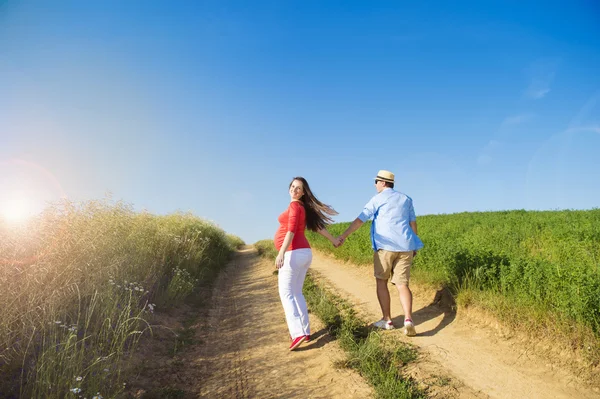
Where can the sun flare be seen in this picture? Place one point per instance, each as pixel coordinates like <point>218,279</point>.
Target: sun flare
<point>16,210</point>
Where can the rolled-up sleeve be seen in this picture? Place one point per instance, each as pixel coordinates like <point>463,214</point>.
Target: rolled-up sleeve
<point>369,210</point>
<point>411,213</point>
<point>294,216</point>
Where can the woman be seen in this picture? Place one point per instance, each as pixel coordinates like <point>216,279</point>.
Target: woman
<point>294,258</point>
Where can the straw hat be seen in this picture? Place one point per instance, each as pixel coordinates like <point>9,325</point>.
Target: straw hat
<point>385,175</point>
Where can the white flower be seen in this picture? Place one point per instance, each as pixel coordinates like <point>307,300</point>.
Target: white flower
<point>78,378</point>
<point>58,322</point>
<point>75,390</point>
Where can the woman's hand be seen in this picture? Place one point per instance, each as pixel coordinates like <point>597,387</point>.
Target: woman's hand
<point>336,241</point>
<point>279,261</point>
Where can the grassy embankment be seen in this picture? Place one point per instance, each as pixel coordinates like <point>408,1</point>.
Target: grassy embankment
<point>538,272</point>
<point>371,353</point>
<point>79,286</point>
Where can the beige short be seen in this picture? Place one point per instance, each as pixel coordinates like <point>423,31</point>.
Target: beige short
<point>393,264</point>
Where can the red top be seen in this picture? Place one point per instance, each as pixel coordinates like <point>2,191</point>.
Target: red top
<point>292,219</point>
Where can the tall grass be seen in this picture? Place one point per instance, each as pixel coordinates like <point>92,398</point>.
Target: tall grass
<point>539,269</point>
<point>79,284</point>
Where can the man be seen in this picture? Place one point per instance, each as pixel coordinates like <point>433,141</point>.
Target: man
<point>395,243</point>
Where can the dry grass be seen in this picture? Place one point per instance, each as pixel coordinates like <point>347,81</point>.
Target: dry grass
<point>78,284</point>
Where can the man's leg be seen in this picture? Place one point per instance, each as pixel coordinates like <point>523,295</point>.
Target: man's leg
<point>383,295</point>
<point>382,271</point>
<point>405,300</point>
<point>400,279</point>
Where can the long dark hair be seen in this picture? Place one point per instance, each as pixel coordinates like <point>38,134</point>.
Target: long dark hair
<point>318,215</point>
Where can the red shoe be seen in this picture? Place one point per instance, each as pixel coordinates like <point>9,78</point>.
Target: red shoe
<point>296,342</point>
<point>307,338</point>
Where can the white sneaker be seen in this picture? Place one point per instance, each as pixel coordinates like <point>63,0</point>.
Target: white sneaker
<point>384,324</point>
<point>409,328</point>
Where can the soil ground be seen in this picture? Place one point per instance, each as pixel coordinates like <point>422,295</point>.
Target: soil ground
<point>237,345</point>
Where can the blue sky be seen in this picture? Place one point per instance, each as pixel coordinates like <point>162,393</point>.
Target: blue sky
<point>213,106</point>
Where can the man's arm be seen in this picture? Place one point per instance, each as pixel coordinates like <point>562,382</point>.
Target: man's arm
<point>351,229</point>
<point>413,225</point>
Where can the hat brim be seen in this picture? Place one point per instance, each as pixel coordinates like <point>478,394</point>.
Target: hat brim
<point>384,179</point>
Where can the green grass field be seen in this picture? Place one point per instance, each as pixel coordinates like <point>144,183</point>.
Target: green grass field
<point>534,270</point>
<point>79,286</point>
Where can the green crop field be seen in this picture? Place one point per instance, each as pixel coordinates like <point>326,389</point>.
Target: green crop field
<point>535,269</point>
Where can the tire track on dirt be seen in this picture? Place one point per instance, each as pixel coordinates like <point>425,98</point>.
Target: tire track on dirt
<point>221,358</point>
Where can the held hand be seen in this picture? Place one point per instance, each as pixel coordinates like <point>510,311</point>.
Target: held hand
<point>338,241</point>
<point>279,261</point>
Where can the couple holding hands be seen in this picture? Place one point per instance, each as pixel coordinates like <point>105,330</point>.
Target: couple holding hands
<point>393,236</point>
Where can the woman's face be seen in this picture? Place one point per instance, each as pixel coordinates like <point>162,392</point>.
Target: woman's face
<point>296,190</point>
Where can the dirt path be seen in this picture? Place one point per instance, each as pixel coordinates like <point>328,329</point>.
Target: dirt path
<point>456,351</point>
<point>245,352</point>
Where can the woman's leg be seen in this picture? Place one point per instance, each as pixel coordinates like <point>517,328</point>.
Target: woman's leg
<point>287,276</point>
<point>303,260</point>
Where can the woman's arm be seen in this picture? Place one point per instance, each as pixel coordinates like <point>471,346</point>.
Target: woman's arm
<point>289,236</point>
<point>332,239</point>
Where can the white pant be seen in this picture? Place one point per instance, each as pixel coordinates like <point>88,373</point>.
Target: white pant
<point>291,279</point>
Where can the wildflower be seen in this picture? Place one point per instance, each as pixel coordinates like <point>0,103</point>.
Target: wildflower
<point>58,322</point>
<point>106,370</point>
<point>75,390</point>
<point>79,378</point>
<point>97,396</point>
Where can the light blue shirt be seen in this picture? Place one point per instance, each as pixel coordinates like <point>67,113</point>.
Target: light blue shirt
<point>392,213</point>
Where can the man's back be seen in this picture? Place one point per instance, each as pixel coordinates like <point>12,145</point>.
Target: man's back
<point>392,212</point>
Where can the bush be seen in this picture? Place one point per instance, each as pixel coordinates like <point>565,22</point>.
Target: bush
<point>235,241</point>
